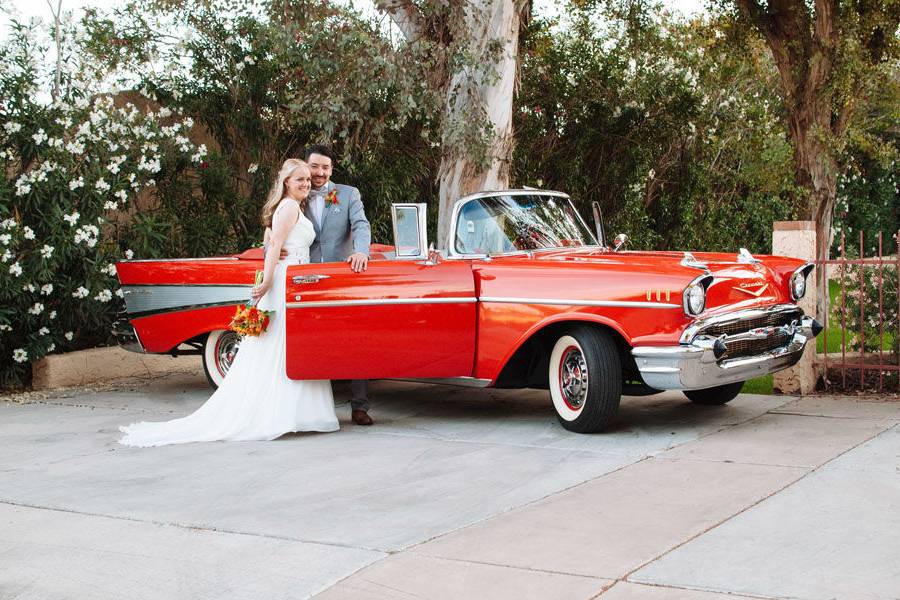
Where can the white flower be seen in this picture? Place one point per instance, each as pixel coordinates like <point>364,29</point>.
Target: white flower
<point>81,292</point>
<point>36,309</point>
<point>19,355</point>
<point>129,254</point>
<point>22,187</point>
<point>12,127</point>
<point>104,296</point>
<point>69,335</point>
<point>28,232</point>
<point>52,314</point>
<point>110,205</point>
<point>5,238</point>
<point>51,348</point>
<point>249,60</point>
<point>121,195</point>
<point>6,256</point>
<point>76,148</point>
<point>43,331</point>
<point>76,183</point>
<point>47,251</point>
<point>4,327</point>
<point>8,224</point>
<point>113,168</point>
<point>165,112</point>
<point>109,269</point>
<point>119,293</point>
<point>29,287</point>
<point>89,234</point>
<point>47,289</point>
<point>72,219</point>
<point>39,137</point>
<point>101,185</point>
<point>189,122</point>
<point>15,269</point>
<point>252,168</point>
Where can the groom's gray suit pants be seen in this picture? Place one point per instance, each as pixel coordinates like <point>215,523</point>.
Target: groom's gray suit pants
<point>360,390</point>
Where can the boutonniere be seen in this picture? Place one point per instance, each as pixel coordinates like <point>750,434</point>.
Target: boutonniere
<point>331,198</point>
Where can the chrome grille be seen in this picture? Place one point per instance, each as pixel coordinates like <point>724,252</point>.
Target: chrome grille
<point>740,348</point>
<point>744,325</point>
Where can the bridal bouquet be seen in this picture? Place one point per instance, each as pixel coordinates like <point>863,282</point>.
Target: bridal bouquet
<point>248,319</point>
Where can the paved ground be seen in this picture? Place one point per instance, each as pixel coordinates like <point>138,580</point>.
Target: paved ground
<point>454,494</point>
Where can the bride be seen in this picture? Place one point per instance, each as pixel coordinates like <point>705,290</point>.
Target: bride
<point>257,401</point>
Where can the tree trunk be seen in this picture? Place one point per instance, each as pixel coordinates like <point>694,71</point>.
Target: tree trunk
<point>491,97</point>
<point>816,168</point>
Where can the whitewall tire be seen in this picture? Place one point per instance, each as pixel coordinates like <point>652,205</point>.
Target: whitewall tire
<point>219,351</point>
<point>585,377</point>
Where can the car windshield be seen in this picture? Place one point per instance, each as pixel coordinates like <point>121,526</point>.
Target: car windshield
<point>516,222</point>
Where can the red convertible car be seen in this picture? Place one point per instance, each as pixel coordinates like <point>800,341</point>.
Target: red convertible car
<point>526,295</point>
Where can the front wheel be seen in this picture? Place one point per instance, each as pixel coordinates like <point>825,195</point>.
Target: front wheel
<point>219,352</point>
<point>585,379</point>
<point>715,396</point>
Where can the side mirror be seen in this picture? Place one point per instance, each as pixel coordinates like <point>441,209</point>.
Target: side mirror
<point>620,241</point>
<point>598,224</point>
<point>410,233</point>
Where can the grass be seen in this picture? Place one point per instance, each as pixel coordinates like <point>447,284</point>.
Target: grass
<point>758,385</point>
<point>833,330</point>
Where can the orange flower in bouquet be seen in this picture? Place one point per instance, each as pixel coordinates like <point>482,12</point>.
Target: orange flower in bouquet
<point>248,319</point>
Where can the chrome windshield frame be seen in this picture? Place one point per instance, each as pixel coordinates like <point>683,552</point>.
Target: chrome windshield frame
<point>457,208</point>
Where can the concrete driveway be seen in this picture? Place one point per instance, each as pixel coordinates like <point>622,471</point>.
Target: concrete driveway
<point>454,493</point>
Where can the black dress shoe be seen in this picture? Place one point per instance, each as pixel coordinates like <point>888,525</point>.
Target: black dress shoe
<point>361,417</point>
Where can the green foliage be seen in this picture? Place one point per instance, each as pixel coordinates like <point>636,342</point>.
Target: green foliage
<point>70,172</point>
<point>679,140</point>
<point>264,80</point>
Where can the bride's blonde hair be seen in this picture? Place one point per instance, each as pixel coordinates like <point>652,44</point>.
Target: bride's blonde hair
<point>278,192</point>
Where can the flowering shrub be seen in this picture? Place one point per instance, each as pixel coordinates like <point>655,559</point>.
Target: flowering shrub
<point>879,334</point>
<point>70,171</point>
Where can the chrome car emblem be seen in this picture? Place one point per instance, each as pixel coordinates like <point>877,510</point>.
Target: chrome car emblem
<point>755,293</point>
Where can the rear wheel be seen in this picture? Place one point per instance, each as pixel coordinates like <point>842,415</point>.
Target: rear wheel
<point>715,396</point>
<point>585,379</point>
<point>219,352</point>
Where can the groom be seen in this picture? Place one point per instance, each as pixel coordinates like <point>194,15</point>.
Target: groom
<point>342,234</point>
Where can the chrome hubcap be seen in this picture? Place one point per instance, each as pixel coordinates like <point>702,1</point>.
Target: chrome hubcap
<point>226,350</point>
<point>573,378</point>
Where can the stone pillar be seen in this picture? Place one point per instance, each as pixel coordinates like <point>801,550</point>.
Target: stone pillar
<point>798,240</point>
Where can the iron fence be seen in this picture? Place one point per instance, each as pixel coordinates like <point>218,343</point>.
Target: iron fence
<point>867,365</point>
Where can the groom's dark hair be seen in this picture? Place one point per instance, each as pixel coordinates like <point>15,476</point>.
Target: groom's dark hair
<point>318,149</point>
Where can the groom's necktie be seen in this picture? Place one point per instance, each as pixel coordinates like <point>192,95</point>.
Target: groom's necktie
<point>317,204</point>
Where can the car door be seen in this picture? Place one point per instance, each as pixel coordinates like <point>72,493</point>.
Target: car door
<point>397,319</point>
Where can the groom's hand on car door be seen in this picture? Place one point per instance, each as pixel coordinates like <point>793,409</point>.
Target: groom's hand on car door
<point>358,262</point>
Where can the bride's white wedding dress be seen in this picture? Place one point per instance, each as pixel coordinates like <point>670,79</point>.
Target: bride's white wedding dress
<point>256,400</point>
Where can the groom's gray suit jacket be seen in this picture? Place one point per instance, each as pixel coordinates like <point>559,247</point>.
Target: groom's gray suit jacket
<point>344,229</point>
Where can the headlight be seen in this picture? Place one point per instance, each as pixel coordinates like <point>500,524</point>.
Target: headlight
<point>798,285</point>
<point>798,281</point>
<point>696,299</point>
<point>695,295</point>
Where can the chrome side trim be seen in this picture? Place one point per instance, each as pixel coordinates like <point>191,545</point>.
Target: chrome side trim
<point>739,315</point>
<point>458,381</point>
<point>579,302</point>
<point>168,260</point>
<point>141,299</point>
<point>380,302</point>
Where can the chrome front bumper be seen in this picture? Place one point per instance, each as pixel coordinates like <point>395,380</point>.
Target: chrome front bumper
<point>696,365</point>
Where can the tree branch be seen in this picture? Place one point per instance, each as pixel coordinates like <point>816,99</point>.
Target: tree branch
<point>407,16</point>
